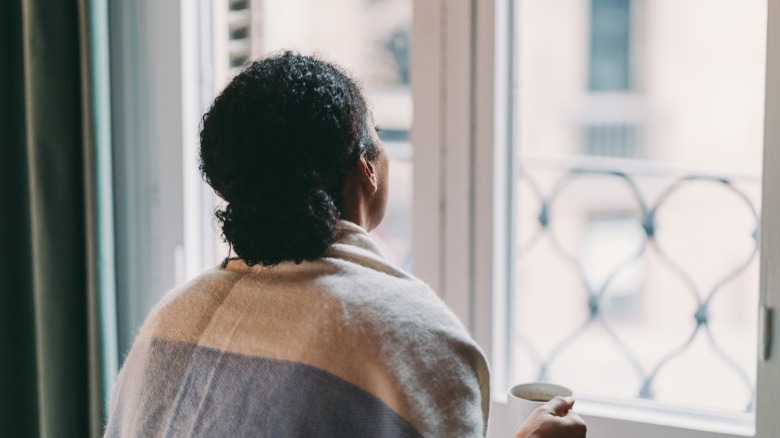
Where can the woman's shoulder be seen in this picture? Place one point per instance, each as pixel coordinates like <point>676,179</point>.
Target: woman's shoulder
<point>422,344</point>
<point>401,306</point>
<point>183,312</point>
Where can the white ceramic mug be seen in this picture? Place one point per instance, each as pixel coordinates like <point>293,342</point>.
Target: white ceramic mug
<point>526,397</point>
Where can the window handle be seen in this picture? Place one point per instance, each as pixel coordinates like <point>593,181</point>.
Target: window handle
<point>766,330</point>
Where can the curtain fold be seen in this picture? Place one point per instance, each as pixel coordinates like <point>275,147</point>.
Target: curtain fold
<point>54,275</point>
<point>18,389</point>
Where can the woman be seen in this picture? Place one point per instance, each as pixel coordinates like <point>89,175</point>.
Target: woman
<point>309,331</point>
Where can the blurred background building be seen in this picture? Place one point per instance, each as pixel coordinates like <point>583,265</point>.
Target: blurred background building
<point>639,132</point>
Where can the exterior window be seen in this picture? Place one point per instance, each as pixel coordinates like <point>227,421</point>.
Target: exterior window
<point>637,210</point>
<point>612,85</point>
<point>606,238</point>
<point>610,45</point>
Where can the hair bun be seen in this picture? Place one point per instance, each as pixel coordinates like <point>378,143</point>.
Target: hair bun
<point>294,226</point>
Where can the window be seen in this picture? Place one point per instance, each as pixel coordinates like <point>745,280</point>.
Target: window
<point>610,45</point>
<point>472,73</point>
<point>691,222</point>
<point>633,177</point>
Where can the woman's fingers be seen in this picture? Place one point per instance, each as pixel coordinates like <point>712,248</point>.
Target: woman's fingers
<point>559,406</point>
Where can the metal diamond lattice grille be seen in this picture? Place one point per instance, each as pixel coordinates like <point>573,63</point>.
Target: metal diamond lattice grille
<point>613,254</point>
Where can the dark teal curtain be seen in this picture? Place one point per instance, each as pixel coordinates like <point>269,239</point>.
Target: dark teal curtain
<point>52,378</point>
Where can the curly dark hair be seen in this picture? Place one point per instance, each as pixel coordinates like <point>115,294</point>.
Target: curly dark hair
<point>277,145</point>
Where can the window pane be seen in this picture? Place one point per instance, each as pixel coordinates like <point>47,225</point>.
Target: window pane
<point>370,38</point>
<point>640,127</point>
<point>610,45</point>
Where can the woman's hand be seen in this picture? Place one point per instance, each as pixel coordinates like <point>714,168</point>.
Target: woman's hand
<point>555,419</point>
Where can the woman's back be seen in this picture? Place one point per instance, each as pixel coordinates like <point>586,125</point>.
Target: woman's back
<point>346,345</point>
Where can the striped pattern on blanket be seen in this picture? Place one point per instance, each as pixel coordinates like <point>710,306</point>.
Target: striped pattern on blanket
<point>346,345</point>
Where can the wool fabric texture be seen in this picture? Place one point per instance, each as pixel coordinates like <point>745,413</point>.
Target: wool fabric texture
<point>346,345</point>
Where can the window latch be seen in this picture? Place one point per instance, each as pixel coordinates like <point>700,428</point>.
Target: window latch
<point>767,329</point>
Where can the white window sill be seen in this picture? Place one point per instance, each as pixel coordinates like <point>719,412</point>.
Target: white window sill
<point>612,418</point>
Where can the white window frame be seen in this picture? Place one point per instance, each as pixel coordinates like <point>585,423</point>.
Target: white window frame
<point>461,75</point>
<point>160,87</point>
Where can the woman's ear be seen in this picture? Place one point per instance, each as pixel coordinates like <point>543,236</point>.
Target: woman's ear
<point>367,172</point>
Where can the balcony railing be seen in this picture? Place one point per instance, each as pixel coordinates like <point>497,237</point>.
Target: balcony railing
<point>656,205</point>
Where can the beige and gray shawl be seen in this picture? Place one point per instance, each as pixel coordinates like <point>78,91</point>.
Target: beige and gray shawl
<point>347,345</point>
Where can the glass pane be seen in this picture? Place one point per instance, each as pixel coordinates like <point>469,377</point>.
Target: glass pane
<point>639,147</point>
<point>610,45</point>
<point>370,38</point>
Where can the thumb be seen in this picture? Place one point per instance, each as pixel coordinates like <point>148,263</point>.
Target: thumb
<point>559,406</point>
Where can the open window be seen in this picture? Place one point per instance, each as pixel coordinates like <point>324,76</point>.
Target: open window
<point>602,168</point>
<point>569,159</point>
